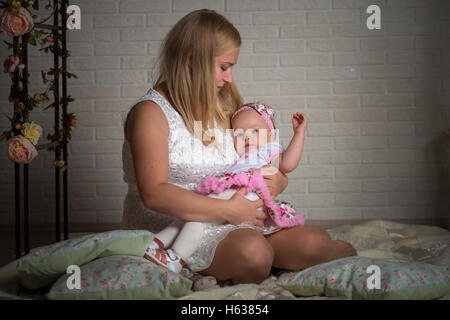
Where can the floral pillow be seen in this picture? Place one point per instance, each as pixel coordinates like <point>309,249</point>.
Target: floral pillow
<point>121,277</point>
<point>44,265</point>
<point>356,278</point>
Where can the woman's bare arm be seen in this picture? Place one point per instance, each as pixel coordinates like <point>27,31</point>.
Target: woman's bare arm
<point>147,131</point>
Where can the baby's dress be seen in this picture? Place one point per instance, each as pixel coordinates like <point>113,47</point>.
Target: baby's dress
<point>256,158</point>
<point>282,213</point>
<point>189,162</point>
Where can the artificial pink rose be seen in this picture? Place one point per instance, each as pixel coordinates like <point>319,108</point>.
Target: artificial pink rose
<point>10,63</point>
<point>16,22</point>
<point>21,150</point>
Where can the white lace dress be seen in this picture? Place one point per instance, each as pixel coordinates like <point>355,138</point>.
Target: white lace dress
<point>189,162</point>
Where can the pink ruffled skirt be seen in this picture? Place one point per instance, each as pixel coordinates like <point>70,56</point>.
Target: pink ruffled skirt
<point>281,212</point>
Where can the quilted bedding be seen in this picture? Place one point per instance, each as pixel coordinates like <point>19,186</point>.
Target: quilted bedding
<point>380,239</point>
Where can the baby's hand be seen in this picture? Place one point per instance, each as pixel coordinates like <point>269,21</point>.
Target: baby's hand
<point>299,122</point>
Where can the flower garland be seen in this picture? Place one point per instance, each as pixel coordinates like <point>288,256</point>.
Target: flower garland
<point>16,20</point>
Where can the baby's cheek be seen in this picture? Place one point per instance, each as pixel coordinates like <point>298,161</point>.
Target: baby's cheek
<point>239,148</point>
<point>262,139</point>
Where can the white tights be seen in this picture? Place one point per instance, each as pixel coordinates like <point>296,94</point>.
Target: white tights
<point>184,237</point>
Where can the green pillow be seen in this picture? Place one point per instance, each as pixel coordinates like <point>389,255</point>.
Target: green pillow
<point>122,277</point>
<point>44,265</point>
<point>349,277</point>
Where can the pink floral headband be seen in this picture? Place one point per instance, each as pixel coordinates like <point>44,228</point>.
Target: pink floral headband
<point>265,111</point>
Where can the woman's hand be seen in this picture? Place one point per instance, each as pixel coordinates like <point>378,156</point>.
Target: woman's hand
<point>240,210</point>
<point>276,181</point>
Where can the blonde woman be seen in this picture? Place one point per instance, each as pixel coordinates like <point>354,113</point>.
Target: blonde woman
<point>166,153</point>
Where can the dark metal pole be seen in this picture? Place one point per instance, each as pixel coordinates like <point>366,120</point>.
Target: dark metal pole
<point>26,208</point>
<point>64,108</point>
<point>57,119</point>
<point>26,219</point>
<point>17,166</point>
<point>17,202</point>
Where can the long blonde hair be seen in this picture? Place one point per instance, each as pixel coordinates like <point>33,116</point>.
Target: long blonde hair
<point>187,70</point>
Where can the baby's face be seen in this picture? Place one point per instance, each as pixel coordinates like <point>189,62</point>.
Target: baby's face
<point>250,131</point>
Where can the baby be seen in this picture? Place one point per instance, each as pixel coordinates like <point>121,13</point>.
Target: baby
<point>254,135</point>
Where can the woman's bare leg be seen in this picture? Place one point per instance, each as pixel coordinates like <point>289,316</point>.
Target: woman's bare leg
<point>244,256</point>
<point>301,247</point>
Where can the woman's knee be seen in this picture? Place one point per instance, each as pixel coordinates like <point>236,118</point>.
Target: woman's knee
<point>317,243</point>
<point>256,259</point>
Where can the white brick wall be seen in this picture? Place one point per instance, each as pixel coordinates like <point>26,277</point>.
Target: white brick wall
<point>377,101</point>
